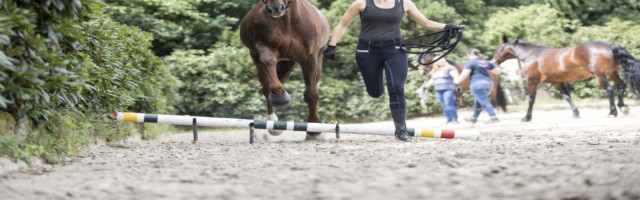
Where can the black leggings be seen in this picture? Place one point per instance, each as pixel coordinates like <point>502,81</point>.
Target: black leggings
<point>374,57</point>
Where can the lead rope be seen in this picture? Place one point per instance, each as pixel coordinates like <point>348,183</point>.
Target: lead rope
<point>442,44</point>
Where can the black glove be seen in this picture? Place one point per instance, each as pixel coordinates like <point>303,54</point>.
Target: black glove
<point>330,52</point>
<point>451,26</point>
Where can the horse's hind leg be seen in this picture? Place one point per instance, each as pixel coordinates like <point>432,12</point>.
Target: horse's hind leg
<point>565,95</point>
<point>532,85</point>
<point>622,89</point>
<point>604,84</point>
<point>312,71</point>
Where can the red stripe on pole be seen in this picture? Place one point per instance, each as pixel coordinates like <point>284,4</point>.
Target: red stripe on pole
<point>448,133</point>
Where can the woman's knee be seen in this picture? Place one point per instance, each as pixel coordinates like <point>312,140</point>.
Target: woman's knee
<point>396,90</point>
<point>375,93</point>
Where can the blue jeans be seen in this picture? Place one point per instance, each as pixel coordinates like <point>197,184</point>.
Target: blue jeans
<point>447,100</point>
<point>481,90</point>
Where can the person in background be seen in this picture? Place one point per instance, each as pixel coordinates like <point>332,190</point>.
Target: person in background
<point>379,50</point>
<point>478,69</point>
<point>442,75</point>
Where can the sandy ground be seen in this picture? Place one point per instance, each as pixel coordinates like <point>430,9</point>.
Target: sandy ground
<point>552,157</point>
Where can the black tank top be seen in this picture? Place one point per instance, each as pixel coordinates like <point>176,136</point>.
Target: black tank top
<point>378,24</point>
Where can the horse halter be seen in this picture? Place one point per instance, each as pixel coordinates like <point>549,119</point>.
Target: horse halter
<point>444,43</point>
<point>504,47</point>
<point>501,50</point>
<point>285,8</point>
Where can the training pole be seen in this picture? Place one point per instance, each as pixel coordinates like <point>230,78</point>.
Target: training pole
<point>288,126</point>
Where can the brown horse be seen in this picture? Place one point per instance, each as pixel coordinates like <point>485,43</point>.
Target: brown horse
<point>543,64</point>
<point>279,34</point>
<point>497,95</point>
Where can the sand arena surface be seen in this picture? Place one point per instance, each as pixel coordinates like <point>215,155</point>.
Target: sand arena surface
<point>552,157</point>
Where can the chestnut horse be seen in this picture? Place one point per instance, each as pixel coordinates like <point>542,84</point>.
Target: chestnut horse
<point>543,64</point>
<point>279,34</point>
<point>497,95</point>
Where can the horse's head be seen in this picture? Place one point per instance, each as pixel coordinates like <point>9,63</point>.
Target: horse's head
<point>426,58</point>
<point>506,50</point>
<point>277,8</point>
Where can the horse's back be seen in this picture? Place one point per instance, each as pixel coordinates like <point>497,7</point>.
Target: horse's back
<point>317,26</point>
<point>576,62</point>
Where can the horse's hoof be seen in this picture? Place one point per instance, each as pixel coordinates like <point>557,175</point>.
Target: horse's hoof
<point>526,119</point>
<point>275,132</point>
<point>625,110</point>
<point>280,101</point>
<point>273,117</point>
<point>576,116</point>
<point>612,116</point>
<point>314,136</point>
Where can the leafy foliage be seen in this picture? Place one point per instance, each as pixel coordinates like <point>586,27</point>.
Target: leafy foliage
<point>60,58</point>
<point>536,23</point>
<point>180,24</point>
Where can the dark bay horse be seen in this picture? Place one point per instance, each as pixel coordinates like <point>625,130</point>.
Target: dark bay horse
<point>279,34</point>
<point>543,64</point>
<point>497,95</point>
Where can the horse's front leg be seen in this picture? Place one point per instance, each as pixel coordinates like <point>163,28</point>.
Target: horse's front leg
<point>565,95</point>
<point>266,82</point>
<point>268,60</point>
<point>312,71</point>
<point>532,85</point>
<point>608,90</point>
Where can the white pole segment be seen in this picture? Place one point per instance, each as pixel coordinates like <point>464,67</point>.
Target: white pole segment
<point>294,126</point>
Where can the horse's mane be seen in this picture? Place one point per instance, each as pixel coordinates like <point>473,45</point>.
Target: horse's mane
<point>526,45</point>
<point>513,41</point>
<point>451,62</point>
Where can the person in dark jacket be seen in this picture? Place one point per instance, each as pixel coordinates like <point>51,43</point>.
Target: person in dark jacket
<point>478,70</point>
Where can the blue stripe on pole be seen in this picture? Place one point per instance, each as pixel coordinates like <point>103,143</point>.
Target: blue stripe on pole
<point>411,131</point>
<point>151,118</point>
<point>279,125</point>
<point>299,126</point>
<point>260,124</point>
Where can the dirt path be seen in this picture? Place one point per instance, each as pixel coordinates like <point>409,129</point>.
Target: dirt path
<point>553,157</point>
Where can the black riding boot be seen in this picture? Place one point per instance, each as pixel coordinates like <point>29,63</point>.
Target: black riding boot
<point>399,118</point>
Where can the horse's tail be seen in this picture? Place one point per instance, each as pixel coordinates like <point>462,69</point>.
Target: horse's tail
<point>630,67</point>
<point>500,98</point>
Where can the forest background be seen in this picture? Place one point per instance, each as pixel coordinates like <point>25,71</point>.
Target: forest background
<point>66,64</point>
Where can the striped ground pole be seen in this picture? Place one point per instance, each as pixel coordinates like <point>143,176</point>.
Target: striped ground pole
<point>289,126</point>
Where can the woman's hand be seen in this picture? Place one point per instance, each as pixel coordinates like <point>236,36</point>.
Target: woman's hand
<point>330,52</point>
<point>452,27</point>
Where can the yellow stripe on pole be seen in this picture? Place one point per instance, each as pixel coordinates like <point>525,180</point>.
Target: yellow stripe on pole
<point>130,117</point>
<point>428,133</point>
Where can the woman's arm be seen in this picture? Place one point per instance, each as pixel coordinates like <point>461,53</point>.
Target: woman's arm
<point>453,73</point>
<point>496,70</point>
<point>419,18</point>
<point>354,10</point>
<point>464,75</point>
<point>429,83</point>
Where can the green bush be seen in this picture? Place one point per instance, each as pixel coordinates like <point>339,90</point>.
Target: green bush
<point>65,58</point>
